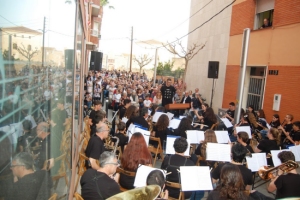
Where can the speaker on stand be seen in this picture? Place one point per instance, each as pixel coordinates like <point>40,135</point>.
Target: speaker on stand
<point>213,72</point>
<point>96,61</point>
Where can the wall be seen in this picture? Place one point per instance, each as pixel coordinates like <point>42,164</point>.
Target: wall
<point>215,35</point>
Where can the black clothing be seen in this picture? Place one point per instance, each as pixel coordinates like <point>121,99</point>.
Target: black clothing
<point>139,120</point>
<point>207,122</point>
<point>32,186</point>
<point>122,111</point>
<point>249,148</point>
<point>274,124</point>
<point>97,185</point>
<point>45,151</point>
<point>180,133</point>
<point>196,103</point>
<point>266,146</point>
<point>93,116</point>
<point>162,134</point>
<point>171,164</point>
<point>187,99</point>
<point>167,94</point>
<point>94,148</point>
<point>215,195</point>
<point>123,140</point>
<point>288,186</point>
<point>230,113</point>
<point>126,181</point>
<point>295,135</point>
<point>246,173</point>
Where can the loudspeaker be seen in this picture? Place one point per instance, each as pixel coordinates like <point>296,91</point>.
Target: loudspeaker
<point>96,60</point>
<point>213,69</point>
<point>69,58</point>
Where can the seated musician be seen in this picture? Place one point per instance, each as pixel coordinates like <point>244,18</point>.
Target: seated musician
<point>26,140</point>
<point>135,153</point>
<point>95,146</point>
<point>275,123</point>
<point>101,184</point>
<point>172,163</point>
<point>157,177</point>
<point>30,183</point>
<point>292,137</point>
<point>92,116</point>
<point>209,136</point>
<point>238,153</point>
<point>266,145</point>
<point>160,129</point>
<point>121,134</point>
<point>252,117</point>
<point>287,127</point>
<point>243,139</point>
<point>208,118</point>
<point>130,113</point>
<point>142,119</point>
<point>231,186</point>
<point>287,185</point>
<point>184,125</point>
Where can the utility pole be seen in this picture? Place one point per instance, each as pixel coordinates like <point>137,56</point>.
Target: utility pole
<point>155,67</point>
<point>131,49</point>
<point>43,49</point>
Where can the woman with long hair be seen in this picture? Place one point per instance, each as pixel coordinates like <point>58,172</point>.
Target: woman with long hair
<point>135,153</point>
<point>243,139</point>
<point>131,112</point>
<point>252,117</point>
<point>208,117</point>
<point>266,145</point>
<point>160,130</point>
<point>275,121</point>
<point>231,185</point>
<point>184,125</point>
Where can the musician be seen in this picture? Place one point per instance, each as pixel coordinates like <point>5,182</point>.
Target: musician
<point>29,183</point>
<point>156,177</point>
<point>101,184</point>
<point>168,92</point>
<point>92,116</point>
<point>286,129</point>
<point>27,136</point>
<point>238,153</point>
<point>208,118</point>
<point>95,146</point>
<point>252,117</point>
<point>121,134</point>
<point>172,164</point>
<point>275,123</point>
<point>134,154</point>
<point>266,145</point>
<point>230,112</point>
<point>160,129</point>
<point>287,185</point>
<point>184,125</point>
<point>243,139</point>
<point>142,119</point>
<point>231,184</point>
<point>131,113</point>
<point>122,109</point>
<point>293,137</point>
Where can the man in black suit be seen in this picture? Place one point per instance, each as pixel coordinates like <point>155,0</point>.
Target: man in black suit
<point>142,119</point>
<point>185,99</point>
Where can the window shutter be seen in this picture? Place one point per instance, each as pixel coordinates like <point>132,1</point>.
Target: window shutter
<point>264,5</point>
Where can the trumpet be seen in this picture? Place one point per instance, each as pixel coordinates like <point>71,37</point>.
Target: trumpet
<point>269,173</point>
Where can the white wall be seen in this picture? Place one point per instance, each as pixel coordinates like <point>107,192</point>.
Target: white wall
<point>215,34</point>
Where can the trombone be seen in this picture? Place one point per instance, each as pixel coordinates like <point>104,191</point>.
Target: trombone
<point>267,173</point>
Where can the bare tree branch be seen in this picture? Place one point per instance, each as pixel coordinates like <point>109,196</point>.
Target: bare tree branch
<point>142,60</point>
<point>26,53</point>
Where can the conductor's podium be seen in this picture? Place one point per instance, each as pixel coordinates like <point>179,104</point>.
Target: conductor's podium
<point>177,106</point>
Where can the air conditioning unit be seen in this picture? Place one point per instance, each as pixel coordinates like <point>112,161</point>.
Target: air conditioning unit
<point>94,33</point>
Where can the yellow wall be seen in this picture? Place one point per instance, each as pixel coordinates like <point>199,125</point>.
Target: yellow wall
<point>274,46</point>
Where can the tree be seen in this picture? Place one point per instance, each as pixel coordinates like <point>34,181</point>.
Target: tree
<point>186,54</point>
<point>142,60</point>
<point>105,3</point>
<point>164,68</point>
<point>27,53</point>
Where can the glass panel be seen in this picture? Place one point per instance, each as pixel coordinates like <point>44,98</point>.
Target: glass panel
<point>36,70</point>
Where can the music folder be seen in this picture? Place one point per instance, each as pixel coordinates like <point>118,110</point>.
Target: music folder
<point>276,160</point>
<point>195,136</point>
<point>174,123</point>
<point>296,152</point>
<point>170,142</point>
<point>245,129</point>
<point>195,178</point>
<point>142,174</point>
<point>257,161</point>
<point>218,152</point>
<point>133,129</point>
<point>227,123</point>
<point>222,137</point>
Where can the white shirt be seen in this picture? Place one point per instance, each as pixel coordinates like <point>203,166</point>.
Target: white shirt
<point>147,103</point>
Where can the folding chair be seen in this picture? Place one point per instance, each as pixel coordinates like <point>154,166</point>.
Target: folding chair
<point>127,173</point>
<point>176,186</point>
<point>157,150</point>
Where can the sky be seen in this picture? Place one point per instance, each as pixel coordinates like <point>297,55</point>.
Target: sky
<point>161,20</point>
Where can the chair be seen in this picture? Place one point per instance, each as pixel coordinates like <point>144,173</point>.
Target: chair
<point>198,160</point>
<point>127,173</point>
<point>81,161</point>
<point>120,152</point>
<point>214,126</point>
<point>77,196</point>
<point>53,197</point>
<point>176,186</point>
<point>157,150</point>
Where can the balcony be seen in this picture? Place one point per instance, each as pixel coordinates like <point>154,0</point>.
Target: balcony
<point>95,10</point>
<point>94,33</point>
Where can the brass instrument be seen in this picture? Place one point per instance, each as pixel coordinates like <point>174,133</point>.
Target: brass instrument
<point>149,192</point>
<point>115,144</point>
<point>270,173</point>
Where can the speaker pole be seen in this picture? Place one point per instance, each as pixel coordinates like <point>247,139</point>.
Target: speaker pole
<point>212,92</point>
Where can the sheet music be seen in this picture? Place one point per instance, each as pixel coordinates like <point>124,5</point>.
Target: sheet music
<point>125,120</point>
<point>222,137</point>
<point>149,112</point>
<point>181,117</point>
<point>268,126</point>
<point>130,130</point>
<point>141,175</point>
<point>257,161</point>
<point>156,116</point>
<point>296,152</point>
<point>145,133</point>
<point>218,152</point>
<point>195,136</point>
<point>227,123</point>
<point>170,115</point>
<point>174,123</point>
<point>170,142</point>
<point>275,158</point>
<point>195,178</point>
<point>245,129</point>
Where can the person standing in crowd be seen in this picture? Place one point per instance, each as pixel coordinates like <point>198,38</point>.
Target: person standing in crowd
<point>100,183</point>
<point>168,92</point>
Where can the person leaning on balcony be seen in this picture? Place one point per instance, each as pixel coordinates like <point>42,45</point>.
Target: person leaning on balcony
<point>266,24</point>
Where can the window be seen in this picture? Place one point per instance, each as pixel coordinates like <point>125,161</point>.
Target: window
<point>264,13</point>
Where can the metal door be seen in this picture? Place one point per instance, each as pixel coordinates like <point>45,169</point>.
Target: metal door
<point>256,91</point>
